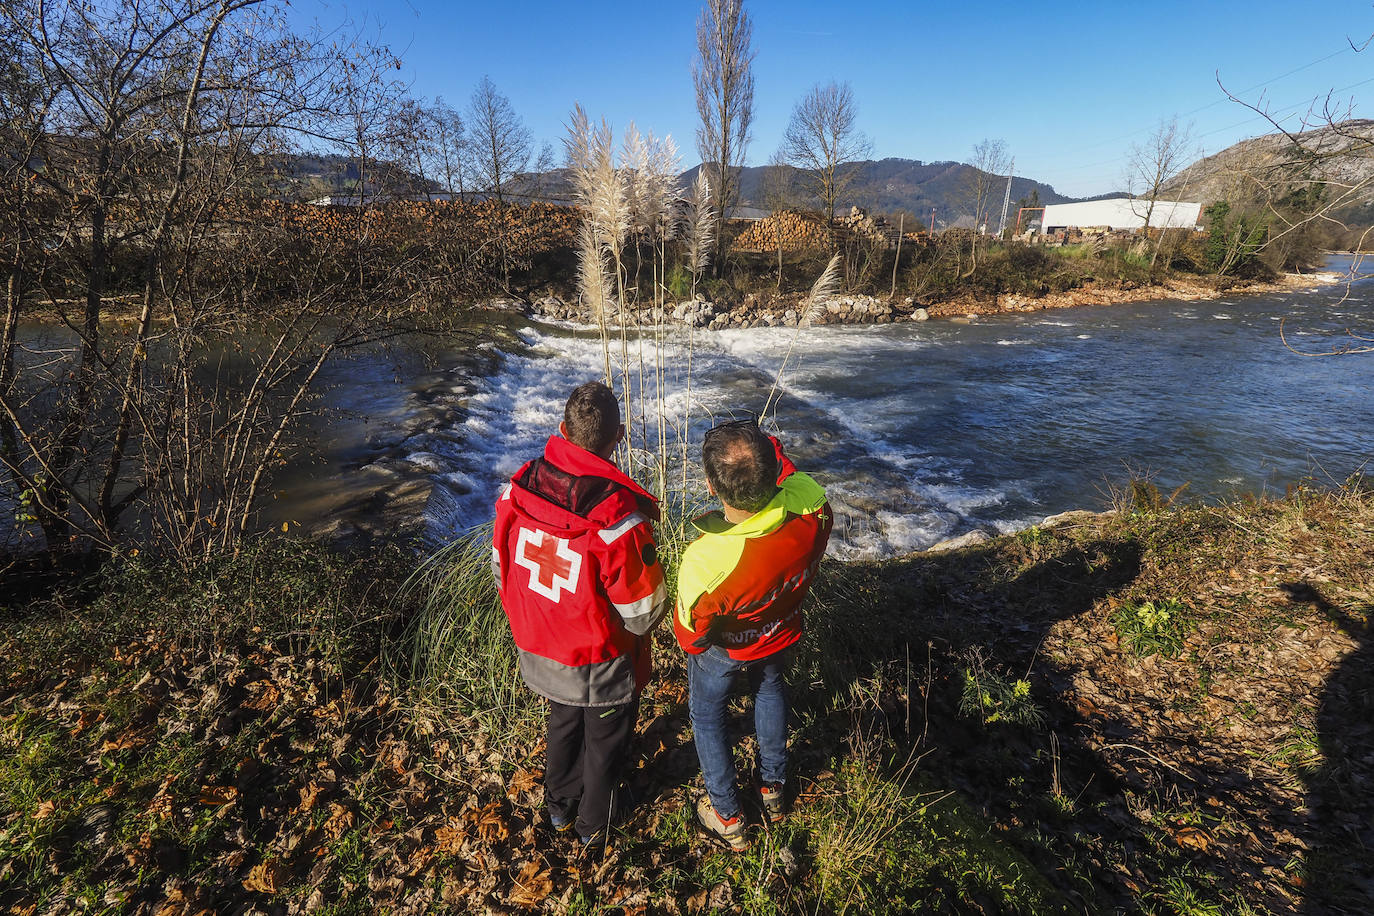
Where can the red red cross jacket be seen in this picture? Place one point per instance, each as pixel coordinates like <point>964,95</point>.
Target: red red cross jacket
<point>579,576</point>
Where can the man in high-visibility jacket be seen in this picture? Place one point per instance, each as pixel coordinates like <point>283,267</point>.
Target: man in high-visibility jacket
<point>739,597</point>
<point>579,578</point>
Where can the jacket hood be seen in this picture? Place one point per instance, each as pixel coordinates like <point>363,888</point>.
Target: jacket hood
<point>606,504</point>
<point>798,494</point>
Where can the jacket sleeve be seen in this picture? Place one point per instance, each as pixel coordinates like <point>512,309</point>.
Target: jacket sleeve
<point>631,573</point>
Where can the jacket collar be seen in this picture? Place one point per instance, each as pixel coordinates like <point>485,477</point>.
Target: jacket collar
<point>576,460</point>
<point>798,494</point>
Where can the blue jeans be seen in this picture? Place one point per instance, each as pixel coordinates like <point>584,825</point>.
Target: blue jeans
<point>710,681</point>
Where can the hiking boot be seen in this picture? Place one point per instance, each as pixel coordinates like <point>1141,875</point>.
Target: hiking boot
<point>731,830</point>
<point>562,818</point>
<point>774,798</point>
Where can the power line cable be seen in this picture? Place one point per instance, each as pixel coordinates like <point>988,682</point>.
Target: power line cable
<point>1276,114</point>
<point>1216,102</point>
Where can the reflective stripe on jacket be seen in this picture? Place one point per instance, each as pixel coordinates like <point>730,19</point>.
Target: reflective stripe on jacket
<point>741,586</point>
<point>579,576</point>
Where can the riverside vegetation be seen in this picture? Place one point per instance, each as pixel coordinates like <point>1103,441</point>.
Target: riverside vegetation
<point>195,717</point>
<point>1165,709</point>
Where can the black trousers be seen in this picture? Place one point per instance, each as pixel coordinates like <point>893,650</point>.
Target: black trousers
<point>587,751</point>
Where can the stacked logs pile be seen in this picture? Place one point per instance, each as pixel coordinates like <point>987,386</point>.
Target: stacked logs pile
<point>524,229</point>
<point>792,230</point>
<point>857,225</point>
<point>435,250</point>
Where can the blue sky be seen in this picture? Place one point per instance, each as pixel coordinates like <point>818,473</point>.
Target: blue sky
<point>1069,86</point>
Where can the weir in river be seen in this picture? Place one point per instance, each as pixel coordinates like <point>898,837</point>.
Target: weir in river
<point>919,431</point>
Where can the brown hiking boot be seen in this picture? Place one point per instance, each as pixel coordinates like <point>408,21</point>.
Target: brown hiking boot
<point>733,831</point>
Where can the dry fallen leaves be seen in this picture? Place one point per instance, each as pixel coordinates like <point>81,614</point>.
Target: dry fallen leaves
<point>339,822</point>
<point>532,886</point>
<point>45,810</point>
<point>218,795</point>
<point>139,855</point>
<point>1193,838</point>
<point>130,740</point>
<point>490,823</point>
<point>266,877</point>
<point>267,695</point>
<point>522,781</point>
<point>309,795</point>
<point>449,839</point>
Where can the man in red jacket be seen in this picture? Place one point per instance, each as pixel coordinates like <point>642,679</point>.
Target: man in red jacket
<point>739,596</point>
<point>580,580</point>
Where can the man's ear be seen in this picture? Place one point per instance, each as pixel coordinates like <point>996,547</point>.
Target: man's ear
<point>563,429</point>
<point>710,489</point>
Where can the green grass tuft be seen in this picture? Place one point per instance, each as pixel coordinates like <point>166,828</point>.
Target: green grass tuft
<point>1152,627</point>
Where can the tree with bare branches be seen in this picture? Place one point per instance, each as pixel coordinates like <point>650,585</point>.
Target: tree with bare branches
<point>822,141</point>
<point>778,189</point>
<point>990,164</point>
<point>723,74</point>
<point>1305,189</point>
<point>501,144</point>
<point>1154,164</point>
<point>157,121</point>
<point>449,149</point>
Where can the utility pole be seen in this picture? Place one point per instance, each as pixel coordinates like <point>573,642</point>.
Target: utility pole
<point>1006,199</point>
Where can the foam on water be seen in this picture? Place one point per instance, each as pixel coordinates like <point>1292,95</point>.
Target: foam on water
<point>887,498</point>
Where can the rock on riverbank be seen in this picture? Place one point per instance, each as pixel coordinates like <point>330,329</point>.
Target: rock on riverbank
<point>751,311</point>
<point>755,310</point>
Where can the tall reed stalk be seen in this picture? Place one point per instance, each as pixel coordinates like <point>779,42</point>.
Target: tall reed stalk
<point>823,289</point>
<point>457,648</point>
<point>628,204</point>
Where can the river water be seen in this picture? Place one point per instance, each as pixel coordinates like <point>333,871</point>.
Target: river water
<point>924,431</point>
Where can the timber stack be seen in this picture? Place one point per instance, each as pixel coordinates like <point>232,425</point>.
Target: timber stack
<point>792,230</point>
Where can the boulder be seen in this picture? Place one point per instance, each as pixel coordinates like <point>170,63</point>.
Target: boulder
<point>1072,517</point>
<point>968,539</point>
<point>920,315</point>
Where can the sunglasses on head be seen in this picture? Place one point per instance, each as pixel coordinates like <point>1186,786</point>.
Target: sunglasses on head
<point>749,422</point>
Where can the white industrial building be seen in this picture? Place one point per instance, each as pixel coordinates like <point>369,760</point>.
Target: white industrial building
<point>1121,213</point>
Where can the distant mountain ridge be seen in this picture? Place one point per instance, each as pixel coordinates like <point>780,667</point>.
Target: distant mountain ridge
<point>887,186</point>
<point>1342,154</point>
<point>896,185</point>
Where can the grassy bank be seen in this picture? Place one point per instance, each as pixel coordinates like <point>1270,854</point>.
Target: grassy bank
<point>1166,710</point>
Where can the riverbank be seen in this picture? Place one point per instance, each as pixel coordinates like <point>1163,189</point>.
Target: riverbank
<point>1178,289</point>
<point>1161,710</point>
<point>783,310</point>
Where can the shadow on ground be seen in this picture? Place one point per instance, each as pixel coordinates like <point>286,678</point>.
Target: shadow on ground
<point>1339,869</point>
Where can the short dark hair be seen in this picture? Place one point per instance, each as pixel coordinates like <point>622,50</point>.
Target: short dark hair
<point>592,417</point>
<point>741,465</point>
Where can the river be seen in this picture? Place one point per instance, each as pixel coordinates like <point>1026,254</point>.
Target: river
<point>920,431</point>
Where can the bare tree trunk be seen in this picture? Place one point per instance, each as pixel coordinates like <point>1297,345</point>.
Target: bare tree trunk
<point>901,222</point>
<point>132,377</point>
<point>9,445</point>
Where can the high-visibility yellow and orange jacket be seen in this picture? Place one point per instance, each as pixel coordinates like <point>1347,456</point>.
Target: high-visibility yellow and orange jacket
<point>741,586</point>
